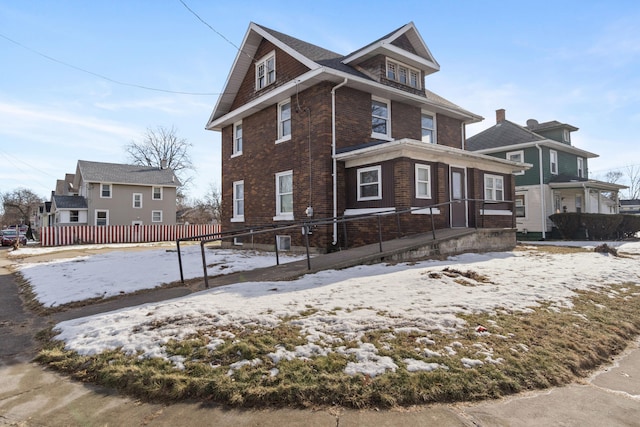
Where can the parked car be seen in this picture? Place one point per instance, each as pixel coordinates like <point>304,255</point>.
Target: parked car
<point>10,235</point>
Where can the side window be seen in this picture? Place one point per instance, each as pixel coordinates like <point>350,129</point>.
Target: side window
<point>137,200</point>
<point>266,71</point>
<point>105,191</point>
<point>156,216</point>
<point>370,183</point>
<point>380,118</point>
<point>423,182</point>
<point>427,123</point>
<point>157,193</point>
<point>284,195</point>
<point>553,162</point>
<point>238,201</point>
<point>237,139</point>
<point>102,217</point>
<point>580,167</point>
<point>493,188</point>
<point>521,207</point>
<point>284,121</point>
<point>516,156</point>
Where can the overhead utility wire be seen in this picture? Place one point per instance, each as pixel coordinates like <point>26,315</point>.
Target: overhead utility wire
<point>100,75</point>
<point>214,30</point>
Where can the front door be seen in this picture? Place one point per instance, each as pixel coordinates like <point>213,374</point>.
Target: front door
<point>458,192</point>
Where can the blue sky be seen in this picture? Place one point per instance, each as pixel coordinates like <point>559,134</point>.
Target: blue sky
<point>577,62</point>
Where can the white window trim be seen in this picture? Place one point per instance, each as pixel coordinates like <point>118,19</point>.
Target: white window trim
<point>521,153</point>
<point>524,205</point>
<point>377,168</point>
<point>152,216</point>
<point>282,138</point>
<point>110,191</point>
<point>376,135</point>
<point>424,211</point>
<point>566,135</point>
<point>284,242</point>
<point>153,193</point>
<point>134,201</point>
<point>235,152</point>
<point>496,212</point>
<point>552,154</point>
<point>263,61</point>
<point>580,167</point>
<point>282,216</point>
<point>494,178</point>
<point>367,211</point>
<point>95,220</point>
<point>236,217</point>
<point>428,168</point>
<point>409,69</point>
<point>434,139</point>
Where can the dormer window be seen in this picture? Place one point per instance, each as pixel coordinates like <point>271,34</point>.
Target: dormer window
<point>403,74</point>
<point>266,71</point>
<point>566,135</point>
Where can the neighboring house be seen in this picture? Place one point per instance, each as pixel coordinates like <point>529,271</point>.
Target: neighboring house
<point>309,133</point>
<point>559,179</point>
<point>114,194</point>
<point>631,206</point>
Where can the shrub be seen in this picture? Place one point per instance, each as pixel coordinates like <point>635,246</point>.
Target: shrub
<point>595,226</point>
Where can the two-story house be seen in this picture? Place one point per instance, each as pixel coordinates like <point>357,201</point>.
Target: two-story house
<point>114,194</point>
<point>310,133</point>
<point>558,180</point>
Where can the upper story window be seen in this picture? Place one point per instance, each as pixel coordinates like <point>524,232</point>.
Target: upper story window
<point>428,125</point>
<point>580,167</point>
<point>423,182</point>
<point>105,191</point>
<point>370,183</point>
<point>566,135</point>
<point>284,121</point>
<point>553,162</point>
<point>403,74</point>
<point>238,201</point>
<point>266,71</point>
<point>156,193</point>
<point>380,118</point>
<point>516,156</point>
<point>493,187</point>
<point>237,139</point>
<point>137,200</point>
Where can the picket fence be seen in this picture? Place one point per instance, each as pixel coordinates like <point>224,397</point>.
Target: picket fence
<point>91,234</point>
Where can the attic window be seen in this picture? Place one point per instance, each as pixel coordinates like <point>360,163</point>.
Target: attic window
<point>403,74</point>
<point>266,71</point>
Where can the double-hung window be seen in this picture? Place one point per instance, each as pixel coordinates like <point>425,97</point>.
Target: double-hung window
<point>105,191</point>
<point>380,118</point>
<point>423,181</point>
<point>102,217</point>
<point>427,123</point>
<point>156,216</point>
<point>516,156</point>
<point>238,201</point>
<point>266,71</point>
<point>137,200</point>
<point>580,167</point>
<point>370,183</point>
<point>237,139</point>
<point>74,216</point>
<point>284,196</point>
<point>553,162</point>
<point>521,207</point>
<point>156,193</point>
<point>493,188</point>
<point>284,121</point>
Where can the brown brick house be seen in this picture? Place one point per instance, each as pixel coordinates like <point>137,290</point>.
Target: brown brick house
<point>308,134</point>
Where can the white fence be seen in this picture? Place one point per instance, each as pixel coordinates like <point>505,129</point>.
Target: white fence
<point>90,234</point>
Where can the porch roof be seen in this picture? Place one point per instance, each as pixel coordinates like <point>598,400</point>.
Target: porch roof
<point>418,150</point>
<point>560,183</point>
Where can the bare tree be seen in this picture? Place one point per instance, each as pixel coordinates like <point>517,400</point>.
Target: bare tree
<point>632,174</point>
<point>213,202</point>
<point>19,205</point>
<point>162,147</point>
<point>613,176</point>
<point>202,211</point>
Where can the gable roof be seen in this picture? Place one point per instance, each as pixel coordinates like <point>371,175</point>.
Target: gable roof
<point>325,65</point>
<point>116,173</point>
<point>506,136</point>
<point>553,124</point>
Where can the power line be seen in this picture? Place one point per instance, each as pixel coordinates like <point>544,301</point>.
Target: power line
<point>214,30</point>
<point>50,58</point>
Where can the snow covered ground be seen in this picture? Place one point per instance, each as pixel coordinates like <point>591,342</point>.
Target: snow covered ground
<point>347,303</point>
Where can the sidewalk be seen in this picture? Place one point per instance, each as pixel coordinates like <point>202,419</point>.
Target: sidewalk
<point>33,396</point>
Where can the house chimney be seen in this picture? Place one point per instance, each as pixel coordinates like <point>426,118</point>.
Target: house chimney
<point>163,164</point>
<point>500,115</point>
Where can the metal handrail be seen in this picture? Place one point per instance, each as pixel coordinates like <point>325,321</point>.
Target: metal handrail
<point>306,227</point>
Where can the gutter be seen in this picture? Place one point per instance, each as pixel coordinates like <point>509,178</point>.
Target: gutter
<point>542,197</point>
<point>335,162</point>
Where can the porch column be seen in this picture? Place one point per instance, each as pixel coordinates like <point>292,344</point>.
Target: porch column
<point>586,204</point>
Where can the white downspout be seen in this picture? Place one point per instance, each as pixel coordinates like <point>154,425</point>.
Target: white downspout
<point>542,196</point>
<point>333,157</point>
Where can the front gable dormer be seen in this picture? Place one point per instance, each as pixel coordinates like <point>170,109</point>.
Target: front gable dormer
<point>400,59</point>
